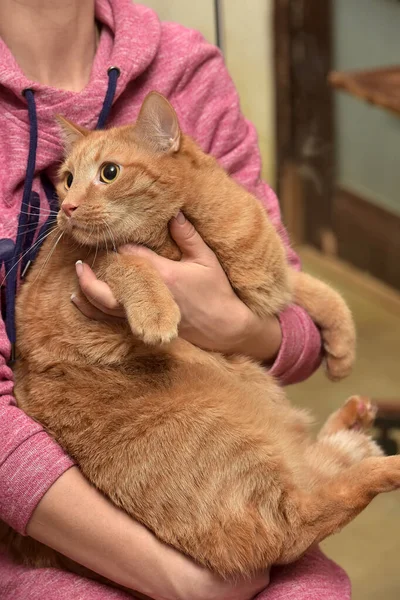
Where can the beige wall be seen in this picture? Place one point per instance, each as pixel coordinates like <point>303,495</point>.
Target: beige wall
<point>248,53</point>
<point>196,14</point>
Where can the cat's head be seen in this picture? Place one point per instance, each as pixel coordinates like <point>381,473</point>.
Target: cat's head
<point>122,184</point>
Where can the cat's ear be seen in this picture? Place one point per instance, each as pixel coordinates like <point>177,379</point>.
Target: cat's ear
<point>157,125</point>
<point>70,132</point>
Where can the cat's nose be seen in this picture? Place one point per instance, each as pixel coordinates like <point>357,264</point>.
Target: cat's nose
<point>68,208</point>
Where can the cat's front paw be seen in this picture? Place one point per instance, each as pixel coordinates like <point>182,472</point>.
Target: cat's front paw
<point>150,308</point>
<point>340,352</point>
<point>155,324</point>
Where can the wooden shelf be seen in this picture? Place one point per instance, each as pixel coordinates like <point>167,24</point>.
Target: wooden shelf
<point>378,86</point>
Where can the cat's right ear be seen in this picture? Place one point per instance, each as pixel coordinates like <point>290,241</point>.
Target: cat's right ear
<point>70,132</point>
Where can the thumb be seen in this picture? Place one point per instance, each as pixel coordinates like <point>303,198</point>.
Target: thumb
<point>189,241</point>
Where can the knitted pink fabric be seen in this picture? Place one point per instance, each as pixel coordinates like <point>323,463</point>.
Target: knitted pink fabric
<point>191,73</point>
<point>314,577</point>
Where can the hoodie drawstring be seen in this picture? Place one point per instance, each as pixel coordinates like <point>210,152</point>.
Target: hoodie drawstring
<point>23,220</point>
<point>30,208</point>
<point>113,74</point>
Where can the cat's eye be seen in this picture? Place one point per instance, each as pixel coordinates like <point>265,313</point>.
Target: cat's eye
<point>68,179</point>
<point>109,172</point>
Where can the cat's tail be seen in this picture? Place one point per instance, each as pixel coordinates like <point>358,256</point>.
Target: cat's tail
<point>332,315</point>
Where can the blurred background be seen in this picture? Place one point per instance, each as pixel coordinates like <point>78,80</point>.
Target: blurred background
<point>321,81</point>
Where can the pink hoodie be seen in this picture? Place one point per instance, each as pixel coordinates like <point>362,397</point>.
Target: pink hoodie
<point>181,65</point>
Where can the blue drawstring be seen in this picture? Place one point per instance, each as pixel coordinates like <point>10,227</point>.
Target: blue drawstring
<point>32,223</point>
<point>12,276</point>
<point>11,253</point>
<point>51,196</point>
<point>113,74</point>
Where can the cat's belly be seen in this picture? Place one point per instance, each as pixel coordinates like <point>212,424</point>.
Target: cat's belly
<point>80,402</point>
<point>77,376</point>
<point>179,446</point>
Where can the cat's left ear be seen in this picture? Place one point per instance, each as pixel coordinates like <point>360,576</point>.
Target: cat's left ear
<point>70,132</point>
<point>157,125</point>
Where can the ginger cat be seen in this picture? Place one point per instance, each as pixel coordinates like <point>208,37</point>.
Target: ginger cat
<point>203,449</point>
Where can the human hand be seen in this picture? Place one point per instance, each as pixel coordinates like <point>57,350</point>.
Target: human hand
<point>212,316</point>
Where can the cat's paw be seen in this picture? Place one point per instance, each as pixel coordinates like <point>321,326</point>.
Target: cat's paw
<point>338,368</point>
<point>358,413</point>
<point>340,353</point>
<point>155,324</point>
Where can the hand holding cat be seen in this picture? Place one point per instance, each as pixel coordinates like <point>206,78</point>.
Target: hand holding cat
<point>212,316</point>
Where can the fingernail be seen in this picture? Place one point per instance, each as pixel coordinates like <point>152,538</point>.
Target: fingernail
<point>73,298</point>
<point>79,267</point>
<point>180,217</point>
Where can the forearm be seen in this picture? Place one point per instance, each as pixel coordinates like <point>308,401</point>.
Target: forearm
<point>290,345</point>
<point>258,338</point>
<point>76,520</point>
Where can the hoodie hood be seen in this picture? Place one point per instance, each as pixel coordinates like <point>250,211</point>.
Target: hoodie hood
<point>129,39</point>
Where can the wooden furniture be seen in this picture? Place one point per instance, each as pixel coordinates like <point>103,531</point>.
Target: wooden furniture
<point>388,418</point>
<point>376,86</point>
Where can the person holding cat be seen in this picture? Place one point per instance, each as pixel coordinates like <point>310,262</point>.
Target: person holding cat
<point>94,62</point>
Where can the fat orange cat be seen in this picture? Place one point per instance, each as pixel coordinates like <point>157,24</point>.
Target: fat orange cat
<point>203,449</point>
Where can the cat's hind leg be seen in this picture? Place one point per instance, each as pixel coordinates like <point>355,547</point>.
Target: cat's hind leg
<point>346,470</point>
<point>343,441</point>
<point>358,413</point>
<point>333,503</point>
<point>345,437</point>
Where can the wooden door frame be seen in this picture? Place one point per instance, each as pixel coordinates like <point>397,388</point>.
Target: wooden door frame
<point>334,220</point>
<point>304,111</point>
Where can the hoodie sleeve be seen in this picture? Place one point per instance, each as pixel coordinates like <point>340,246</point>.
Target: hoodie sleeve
<point>209,107</point>
<point>30,461</point>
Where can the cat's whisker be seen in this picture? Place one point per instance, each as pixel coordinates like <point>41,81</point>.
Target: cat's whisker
<point>111,235</point>
<point>105,242</point>
<point>89,236</point>
<point>26,231</point>
<point>38,242</point>
<point>90,233</point>
<point>97,248</point>
<point>35,225</point>
<point>42,212</point>
<point>46,263</point>
<point>50,254</point>
<point>43,209</point>
<point>28,228</point>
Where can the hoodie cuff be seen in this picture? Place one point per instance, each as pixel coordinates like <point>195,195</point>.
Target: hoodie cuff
<point>29,471</point>
<point>300,353</point>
